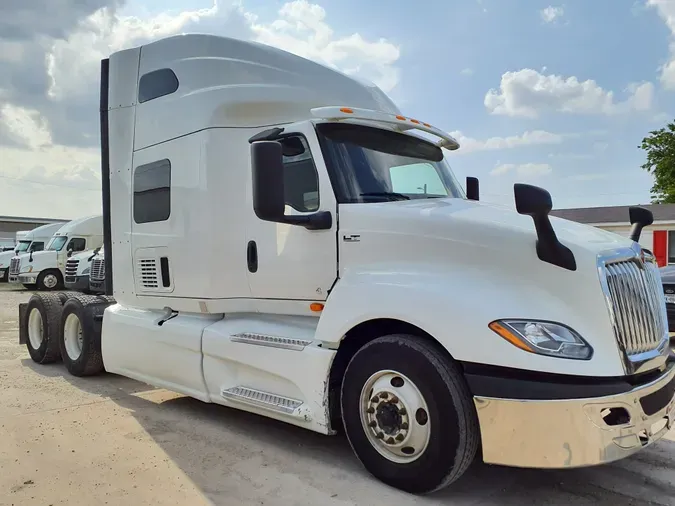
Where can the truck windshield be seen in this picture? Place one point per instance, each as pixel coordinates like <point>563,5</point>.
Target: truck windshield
<point>57,243</point>
<point>374,165</point>
<point>22,246</point>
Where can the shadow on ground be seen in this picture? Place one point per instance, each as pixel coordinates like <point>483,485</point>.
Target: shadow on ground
<point>214,445</point>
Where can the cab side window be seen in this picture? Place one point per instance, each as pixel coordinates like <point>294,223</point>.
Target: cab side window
<point>301,180</point>
<point>76,244</point>
<point>37,246</point>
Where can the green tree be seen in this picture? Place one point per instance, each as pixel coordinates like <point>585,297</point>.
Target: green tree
<point>660,148</point>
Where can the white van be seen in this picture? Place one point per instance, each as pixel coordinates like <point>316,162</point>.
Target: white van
<point>45,270</point>
<point>27,241</point>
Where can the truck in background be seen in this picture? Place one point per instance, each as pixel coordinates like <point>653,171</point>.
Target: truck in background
<point>346,281</point>
<point>77,272</point>
<point>97,273</point>
<point>27,241</point>
<point>45,270</point>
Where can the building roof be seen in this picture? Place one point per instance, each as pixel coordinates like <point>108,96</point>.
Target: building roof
<point>613,214</point>
<point>24,219</point>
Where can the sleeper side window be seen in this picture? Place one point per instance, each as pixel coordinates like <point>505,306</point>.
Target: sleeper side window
<point>301,180</point>
<point>76,244</point>
<point>152,192</point>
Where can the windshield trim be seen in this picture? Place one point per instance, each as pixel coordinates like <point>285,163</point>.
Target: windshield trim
<point>18,246</point>
<point>335,174</point>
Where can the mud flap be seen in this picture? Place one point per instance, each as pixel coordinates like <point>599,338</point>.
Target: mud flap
<point>23,323</point>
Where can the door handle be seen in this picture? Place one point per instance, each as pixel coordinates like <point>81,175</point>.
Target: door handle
<point>252,256</point>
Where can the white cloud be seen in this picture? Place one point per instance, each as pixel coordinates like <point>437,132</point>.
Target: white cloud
<point>49,81</point>
<point>527,93</point>
<point>666,9</point>
<point>530,138</point>
<point>466,72</point>
<point>523,170</point>
<point>550,13</point>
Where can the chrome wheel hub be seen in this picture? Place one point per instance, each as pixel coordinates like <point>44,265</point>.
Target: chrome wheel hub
<point>72,336</point>
<point>395,416</point>
<point>50,280</point>
<point>35,329</point>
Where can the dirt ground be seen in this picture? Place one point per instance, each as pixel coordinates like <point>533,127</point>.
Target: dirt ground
<point>111,440</point>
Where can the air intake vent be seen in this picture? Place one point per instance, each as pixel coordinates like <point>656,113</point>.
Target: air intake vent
<point>147,273</point>
<point>71,267</point>
<point>97,269</point>
<point>14,265</point>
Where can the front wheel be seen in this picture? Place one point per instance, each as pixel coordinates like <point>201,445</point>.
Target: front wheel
<point>50,280</point>
<point>408,414</point>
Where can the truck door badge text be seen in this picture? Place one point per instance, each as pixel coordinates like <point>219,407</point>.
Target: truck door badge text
<point>351,238</point>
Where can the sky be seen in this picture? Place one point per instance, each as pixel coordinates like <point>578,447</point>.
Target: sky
<point>554,94</point>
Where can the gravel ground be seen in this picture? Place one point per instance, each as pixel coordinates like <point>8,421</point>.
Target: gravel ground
<point>111,440</point>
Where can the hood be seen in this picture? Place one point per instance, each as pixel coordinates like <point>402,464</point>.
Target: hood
<point>668,274</point>
<point>43,257</point>
<point>5,257</point>
<point>482,224</point>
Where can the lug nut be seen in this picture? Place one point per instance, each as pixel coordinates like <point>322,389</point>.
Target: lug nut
<point>404,426</point>
<point>370,410</point>
<point>394,399</point>
<point>391,441</point>
<point>384,395</point>
<point>402,412</point>
<point>372,424</point>
<point>400,437</point>
<point>380,435</point>
<point>375,399</point>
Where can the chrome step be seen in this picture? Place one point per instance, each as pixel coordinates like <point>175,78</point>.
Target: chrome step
<point>286,343</point>
<point>268,401</point>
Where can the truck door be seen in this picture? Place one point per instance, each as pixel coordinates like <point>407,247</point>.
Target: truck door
<point>289,261</point>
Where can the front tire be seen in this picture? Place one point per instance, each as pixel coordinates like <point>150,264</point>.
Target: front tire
<point>80,341</point>
<point>50,280</point>
<point>408,414</point>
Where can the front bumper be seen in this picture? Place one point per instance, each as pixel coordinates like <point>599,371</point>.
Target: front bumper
<point>97,286</point>
<point>29,278</point>
<point>78,283</point>
<point>572,432</point>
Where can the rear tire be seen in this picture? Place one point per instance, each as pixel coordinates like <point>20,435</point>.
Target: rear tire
<point>50,280</point>
<point>80,340</point>
<point>43,325</point>
<point>408,414</point>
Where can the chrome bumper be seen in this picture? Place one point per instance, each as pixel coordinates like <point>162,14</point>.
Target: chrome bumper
<point>27,279</point>
<point>573,433</point>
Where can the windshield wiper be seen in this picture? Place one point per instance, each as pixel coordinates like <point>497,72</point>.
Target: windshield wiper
<point>389,195</point>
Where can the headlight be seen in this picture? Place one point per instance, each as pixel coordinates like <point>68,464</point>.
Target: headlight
<point>86,271</point>
<point>544,338</point>
<point>28,268</point>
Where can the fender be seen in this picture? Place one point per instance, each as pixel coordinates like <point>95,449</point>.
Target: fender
<point>455,306</point>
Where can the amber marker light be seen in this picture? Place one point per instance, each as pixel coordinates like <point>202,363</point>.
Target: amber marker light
<point>509,336</point>
<point>316,307</point>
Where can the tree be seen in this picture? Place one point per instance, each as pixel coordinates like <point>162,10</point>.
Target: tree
<point>660,148</point>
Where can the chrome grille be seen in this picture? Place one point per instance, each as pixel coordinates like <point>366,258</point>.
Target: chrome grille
<point>97,269</point>
<point>14,265</point>
<point>71,267</point>
<point>637,305</point>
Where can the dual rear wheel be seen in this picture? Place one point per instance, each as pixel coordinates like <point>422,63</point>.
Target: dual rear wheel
<point>63,326</point>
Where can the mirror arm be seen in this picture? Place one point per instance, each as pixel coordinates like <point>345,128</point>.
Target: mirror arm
<point>322,220</point>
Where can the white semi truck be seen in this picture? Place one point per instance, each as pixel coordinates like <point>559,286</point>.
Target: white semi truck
<point>45,270</point>
<point>78,269</point>
<point>28,241</point>
<point>346,281</point>
<point>97,273</point>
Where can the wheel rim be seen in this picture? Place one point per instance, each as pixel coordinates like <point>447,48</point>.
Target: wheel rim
<point>72,336</point>
<point>395,416</point>
<point>50,280</point>
<point>35,328</point>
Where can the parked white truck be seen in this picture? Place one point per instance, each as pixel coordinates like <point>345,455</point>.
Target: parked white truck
<point>97,273</point>
<point>78,269</point>
<point>345,280</point>
<point>28,241</point>
<point>45,270</point>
